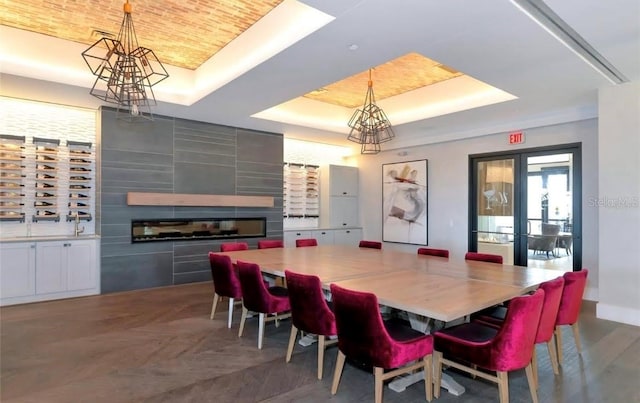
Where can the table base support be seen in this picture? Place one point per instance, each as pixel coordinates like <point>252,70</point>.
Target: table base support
<point>447,382</point>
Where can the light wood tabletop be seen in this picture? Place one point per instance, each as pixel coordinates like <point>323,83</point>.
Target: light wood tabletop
<point>438,288</point>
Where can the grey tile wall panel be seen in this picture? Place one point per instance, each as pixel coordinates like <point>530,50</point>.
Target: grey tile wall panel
<point>116,230</point>
<point>160,176</point>
<point>187,250</point>
<point>191,266</point>
<point>179,156</point>
<point>194,277</point>
<point>124,247</point>
<point>205,146</point>
<point>203,179</point>
<point>149,137</point>
<point>119,186</point>
<point>259,147</point>
<point>114,198</point>
<point>124,214</point>
<point>212,160</point>
<point>184,124</point>
<point>123,273</point>
<point>124,157</point>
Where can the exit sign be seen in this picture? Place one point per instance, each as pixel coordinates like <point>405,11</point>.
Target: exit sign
<point>516,138</point>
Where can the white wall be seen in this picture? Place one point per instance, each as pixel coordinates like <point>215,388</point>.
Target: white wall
<point>618,203</point>
<point>448,186</point>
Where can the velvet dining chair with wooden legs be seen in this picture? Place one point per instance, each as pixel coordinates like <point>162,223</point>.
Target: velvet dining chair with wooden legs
<point>483,257</point>
<point>260,299</point>
<point>569,311</point>
<point>225,283</point>
<point>363,336</point>
<point>551,304</point>
<point>433,252</point>
<point>501,350</point>
<point>370,244</point>
<point>306,242</point>
<point>310,313</point>
<point>233,246</point>
<point>270,243</point>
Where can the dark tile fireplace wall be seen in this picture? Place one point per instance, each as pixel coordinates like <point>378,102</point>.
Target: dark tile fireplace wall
<point>177,156</point>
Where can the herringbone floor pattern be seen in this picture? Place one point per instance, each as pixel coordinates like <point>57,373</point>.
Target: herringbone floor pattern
<point>159,345</point>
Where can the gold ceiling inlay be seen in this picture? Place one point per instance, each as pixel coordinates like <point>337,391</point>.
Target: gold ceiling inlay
<point>181,33</point>
<point>404,74</point>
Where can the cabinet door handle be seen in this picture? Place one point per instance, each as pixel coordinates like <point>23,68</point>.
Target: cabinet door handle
<point>348,232</point>
<point>33,245</point>
<point>298,234</point>
<point>344,193</point>
<point>344,223</point>
<point>323,233</point>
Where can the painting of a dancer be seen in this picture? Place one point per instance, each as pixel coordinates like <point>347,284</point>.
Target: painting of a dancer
<point>404,189</point>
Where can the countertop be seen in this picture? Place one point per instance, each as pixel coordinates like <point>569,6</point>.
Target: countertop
<point>44,238</point>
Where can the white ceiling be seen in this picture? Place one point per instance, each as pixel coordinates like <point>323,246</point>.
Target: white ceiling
<point>492,41</point>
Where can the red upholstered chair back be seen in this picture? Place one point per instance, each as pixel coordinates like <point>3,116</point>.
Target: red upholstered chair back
<point>361,331</point>
<point>512,348</point>
<point>306,242</point>
<point>309,310</point>
<point>256,296</point>
<point>225,279</point>
<point>574,285</point>
<point>433,252</point>
<point>268,243</point>
<point>552,295</point>
<point>371,244</point>
<point>231,246</point>
<point>483,257</point>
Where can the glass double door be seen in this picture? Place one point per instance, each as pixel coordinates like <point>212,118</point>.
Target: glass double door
<point>525,206</point>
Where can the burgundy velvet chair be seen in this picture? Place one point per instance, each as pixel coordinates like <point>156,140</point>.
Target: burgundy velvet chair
<point>483,257</point>
<point>370,244</point>
<point>260,299</point>
<point>306,242</point>
<point>502,350</point>
<point>552,295</point>
<point>574,285</point>
<point>233,246</point>
<point>433,252</point>
<point>364,337</point>
<point>309,313</point>
<point>225,283</point>
<point>269,243</point>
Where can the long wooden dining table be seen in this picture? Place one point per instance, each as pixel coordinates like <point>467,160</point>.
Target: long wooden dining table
<point>439,288</point>
<point>425,287</point>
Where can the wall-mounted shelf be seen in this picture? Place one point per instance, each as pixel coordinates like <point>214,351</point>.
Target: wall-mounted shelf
<point>197,200</point>
<point>43,217</point>
<point>11,216</point>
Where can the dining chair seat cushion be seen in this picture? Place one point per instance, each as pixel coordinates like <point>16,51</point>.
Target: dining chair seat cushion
<point>433,252</point>
<point>256,296</point>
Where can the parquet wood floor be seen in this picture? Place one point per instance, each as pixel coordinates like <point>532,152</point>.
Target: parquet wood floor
<point>159,345</point>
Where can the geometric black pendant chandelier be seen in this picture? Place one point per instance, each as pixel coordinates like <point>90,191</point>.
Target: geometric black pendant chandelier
<point>125,71</point>
<point>369,125</point>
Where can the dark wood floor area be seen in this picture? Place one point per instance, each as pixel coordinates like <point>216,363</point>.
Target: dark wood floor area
<point>160,346</point>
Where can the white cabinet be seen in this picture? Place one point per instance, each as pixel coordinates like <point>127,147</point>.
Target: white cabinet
<point>351,236</point>
<point>17,269</point>
<point>327,236</point>
<point>291,236</point>
<point>45,270</point>
<point>323,236</point>
<point>342,180</point>
<point>65,266</point>
<point>339,196</point>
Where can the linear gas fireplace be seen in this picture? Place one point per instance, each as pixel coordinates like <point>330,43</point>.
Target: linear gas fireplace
<point>185,229</point>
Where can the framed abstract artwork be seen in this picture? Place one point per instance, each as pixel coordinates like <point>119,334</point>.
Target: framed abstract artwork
<point>404,204</point>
